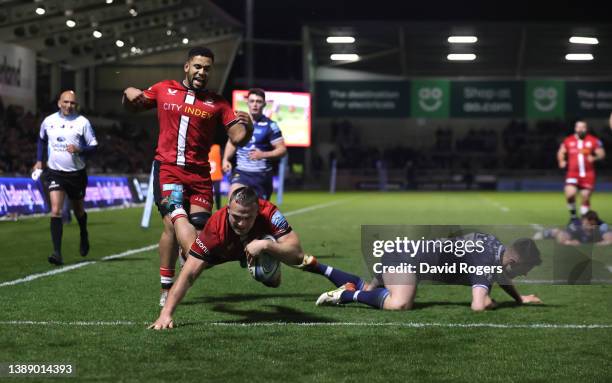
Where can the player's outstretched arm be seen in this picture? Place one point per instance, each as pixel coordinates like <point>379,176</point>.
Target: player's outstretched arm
<point>241,132</point>
<point>287,249</point>
<point>134,100</point>
<point>189,273</point>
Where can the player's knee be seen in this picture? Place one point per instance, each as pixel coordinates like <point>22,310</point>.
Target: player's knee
<point>198,220</point>
<point>56,211</point>
<point>395,304</point>
<point>168,226</point>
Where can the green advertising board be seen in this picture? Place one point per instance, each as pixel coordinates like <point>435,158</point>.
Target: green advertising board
<point>474,99</point>
<point>545,98</point>
<point>589,98</point>
<point>442,98</point>
<point>430,98</point>
<point>381,99</point>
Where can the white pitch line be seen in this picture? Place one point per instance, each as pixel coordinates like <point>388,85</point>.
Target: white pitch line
<point>497,204</point>
<point>89,210</point>
<point>71,323</point>
<point>559,281</point>
<point>135,251</point>
<point>537,226</point>
<point>76,266</point>
<point>313,207</point>
<point>417,325</point>
<point>45,274</point>
<point>569,326</point>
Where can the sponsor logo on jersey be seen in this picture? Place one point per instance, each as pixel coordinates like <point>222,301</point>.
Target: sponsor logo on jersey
<point>199,199</point>
<point>61,139</point>
<point>172,92</point>
<point>279,220</point>
<point>172,106</point>
<point>202,246</point>
<point>209,101</point>
<point>197,112</point>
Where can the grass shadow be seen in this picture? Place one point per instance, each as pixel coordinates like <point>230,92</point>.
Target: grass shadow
<point>237,298</point>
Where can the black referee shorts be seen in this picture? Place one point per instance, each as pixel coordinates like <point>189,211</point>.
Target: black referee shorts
<point>73,183</point>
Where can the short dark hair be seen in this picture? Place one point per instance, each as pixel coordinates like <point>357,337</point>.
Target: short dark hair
<point>257,91</point>
<point>591,215</point>
<point>527,251</point>
<point>244,196</point>
<point>200,51</point>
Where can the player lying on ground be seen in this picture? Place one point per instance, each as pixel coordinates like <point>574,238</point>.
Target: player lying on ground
<point>396,291</point>
<point>588,229</point>
<point>233,234</point>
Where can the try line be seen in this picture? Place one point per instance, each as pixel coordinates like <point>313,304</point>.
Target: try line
<point>560,326</point>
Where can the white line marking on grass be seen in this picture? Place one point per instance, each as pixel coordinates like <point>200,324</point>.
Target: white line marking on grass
<point>537,226</point>
<point>416,325</point>
<point>496,204</point>
<point>135,251</point>
<point>569,326</point>
<point>313,207</point>
<point>561,281</point>
<point>72,323</point>
<point>76,266</point>
<point>89,210</point>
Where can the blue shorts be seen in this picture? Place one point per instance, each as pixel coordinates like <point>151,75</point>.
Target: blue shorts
<point>261,182</point>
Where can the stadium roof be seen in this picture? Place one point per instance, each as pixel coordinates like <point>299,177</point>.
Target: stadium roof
<point>503,49</point>
<point>144,28</point>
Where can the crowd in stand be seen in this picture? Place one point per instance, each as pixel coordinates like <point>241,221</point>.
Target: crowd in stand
<point>518,146</point>
<point>123,147</point>
<point>126,147</point>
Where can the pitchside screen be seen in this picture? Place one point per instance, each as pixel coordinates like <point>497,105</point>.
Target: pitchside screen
<point>291,110</point>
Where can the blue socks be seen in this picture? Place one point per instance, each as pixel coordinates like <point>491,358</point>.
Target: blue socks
<point>339,277</point>
<point>375,298</point>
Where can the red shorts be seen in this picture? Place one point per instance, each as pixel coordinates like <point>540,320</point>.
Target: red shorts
<point>197,185</point>
<point>586,182</point>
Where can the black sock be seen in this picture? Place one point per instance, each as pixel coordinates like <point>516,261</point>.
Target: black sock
<point>57,227</point>
<point>83,224</point>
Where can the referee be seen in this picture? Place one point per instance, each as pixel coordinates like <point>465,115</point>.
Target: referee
<point>65,139</point>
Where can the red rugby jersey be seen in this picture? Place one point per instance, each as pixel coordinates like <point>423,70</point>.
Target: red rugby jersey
<point>187,122</point>
<point>577,152</point>
<point>218,243</point>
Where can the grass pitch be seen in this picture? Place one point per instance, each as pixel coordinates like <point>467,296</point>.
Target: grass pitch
<point>232,328</point>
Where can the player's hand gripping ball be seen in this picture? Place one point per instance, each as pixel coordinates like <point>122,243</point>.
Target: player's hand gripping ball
<point>265,268</point>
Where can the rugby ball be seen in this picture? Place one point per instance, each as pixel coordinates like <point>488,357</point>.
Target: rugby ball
<point>265,268</point>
